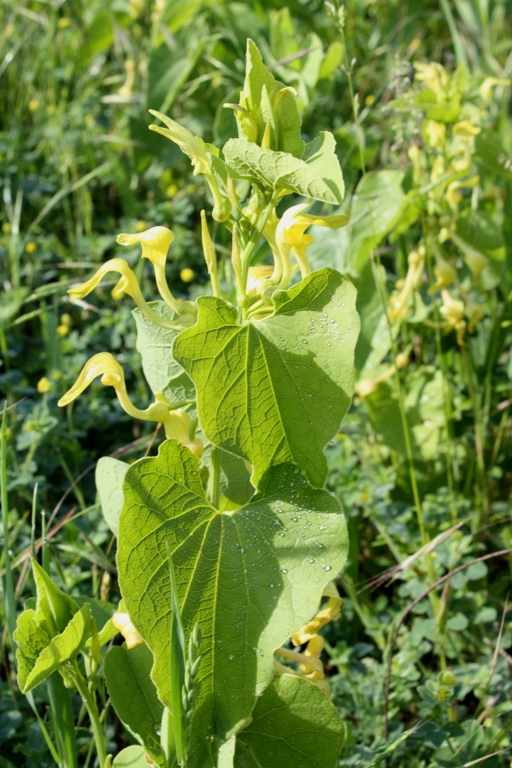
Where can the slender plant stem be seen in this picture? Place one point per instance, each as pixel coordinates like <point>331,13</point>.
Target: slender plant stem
<point>479,442</point>
<point>214,479</point>
<point>92,710</point>
<point>405,428</point>
<point>10,602</point>
<point>64,724</point>
<point>446,396</point>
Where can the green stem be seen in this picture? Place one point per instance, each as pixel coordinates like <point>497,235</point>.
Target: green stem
<point>64,723</point>
<point>405,428</point>
<point>10,602</point>
<point>479,441</point>
<point>89,700</point>
<point>214,479</point>
<point>446,396</point>
<point>255,235</point>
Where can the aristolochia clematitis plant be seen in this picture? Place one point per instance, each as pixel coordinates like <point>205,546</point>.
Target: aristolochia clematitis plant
<point>226,540</point>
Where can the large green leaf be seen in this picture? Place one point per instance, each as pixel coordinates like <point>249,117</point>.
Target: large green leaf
<point>134,696</point>
<point>424,406</point>
<point>317,176</point>
<point>250,578</point>
<point>109,476</point>
<point>378,205</point>
<point>276,390</point>
<point>154,345</point>
<point>293,723</point>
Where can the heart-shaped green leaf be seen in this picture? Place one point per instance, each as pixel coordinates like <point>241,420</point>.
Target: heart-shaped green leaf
<point>293,723</point>
<point>154,344</point>
<point>250,578</point>
<point>276,390</point>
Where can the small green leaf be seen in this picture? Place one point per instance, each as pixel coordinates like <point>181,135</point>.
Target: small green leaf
<point>292,724</point>
<point>266,99</point>
<point>332,60</point>
<point>317,176</point>
<point>109,476</point>
<point>134,696</point>
<point>131,757</point>
<point>276,390</point>
<point>54,609</point>
<point>482,233</point>
<point>250,578</point>
<point>61,648</point>
<point>163,374</point>
<point>31,641</point>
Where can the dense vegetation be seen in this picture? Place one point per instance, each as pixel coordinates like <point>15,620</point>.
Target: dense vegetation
<point>417,96</point>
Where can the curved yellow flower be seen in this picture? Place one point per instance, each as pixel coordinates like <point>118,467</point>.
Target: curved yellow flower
<point>453,312</point>
<point>195,149</point>
<point>127,284</point>
<point>177,425</point>
<point>465,130</point>
<point>112,375</point>
<point>444,272</point>
<point>399,303</point>
<point>155,246</point>
<point>452,194</point>
<point>176,422</point>
<point>323,617</point>
<point>290,233</point>
<point>489,83</point>
<point>474,312</point>
<point>123,624</point>
<point>257,277</point>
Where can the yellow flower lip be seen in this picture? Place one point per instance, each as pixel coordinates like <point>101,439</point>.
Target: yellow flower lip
<point>122,622</point>
<point>290,234</point>
<point>465,130</point>
<point>155,242</point>
<point>127,283</point>
<point>103,364</point>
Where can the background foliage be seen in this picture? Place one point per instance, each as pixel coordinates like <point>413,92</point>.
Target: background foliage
<point>78,165</point>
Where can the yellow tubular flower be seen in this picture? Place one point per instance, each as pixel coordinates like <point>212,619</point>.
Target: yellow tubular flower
<point>155,246</point>
<point>112,375</point>
<point>453,312</point>
<point>474,312</point>
<point>177,426</point>
<point>365,387</point>
<point>291,237</point>
<point>444,272</point>
<point>465,130</point>
<point>399,304</point>
<point>193,147</point>
<point>257,278</point>
<point>489,83</point>
<point>434,133</point>
<point>323,617</point>
<point>452,194</point>
<point>123,624</point>
<point>127,284</point>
